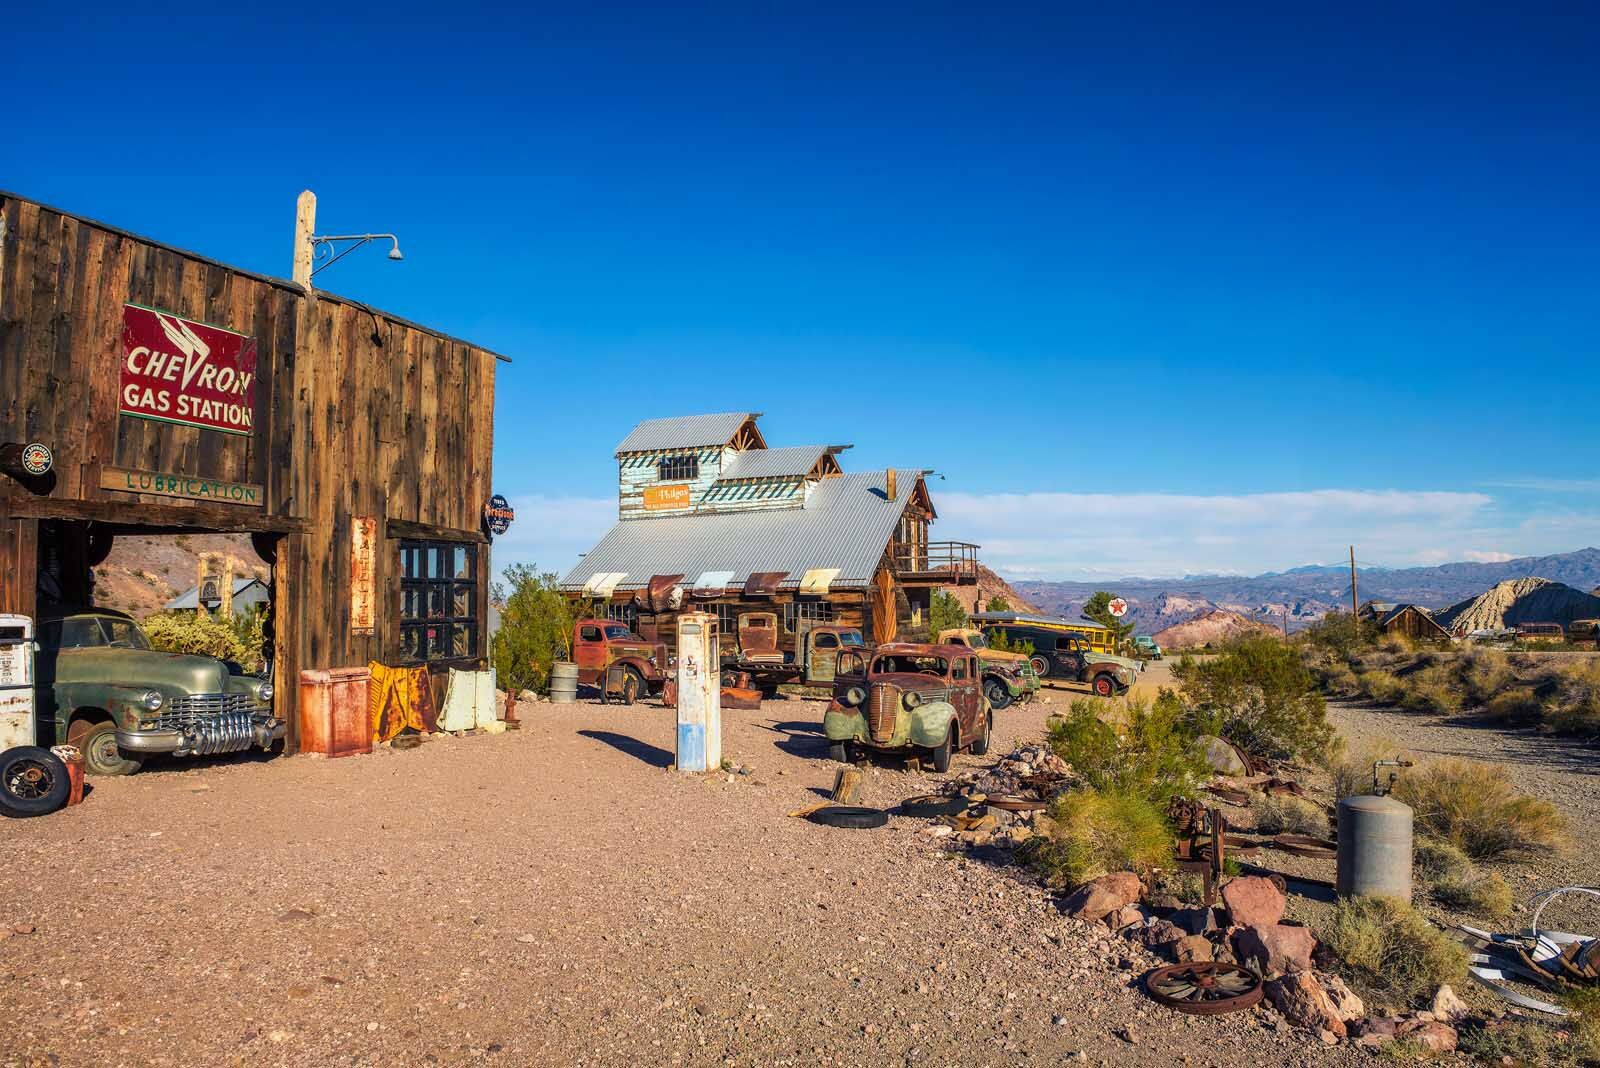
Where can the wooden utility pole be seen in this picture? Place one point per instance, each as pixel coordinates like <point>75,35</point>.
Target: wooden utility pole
<point>1353,603</point>
<point>305,224</point>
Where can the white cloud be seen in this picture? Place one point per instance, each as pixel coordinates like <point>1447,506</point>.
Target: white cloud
<point>1482,556</point>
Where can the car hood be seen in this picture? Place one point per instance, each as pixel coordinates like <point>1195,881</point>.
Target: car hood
<point>909,680</point>
<point>172,673</point>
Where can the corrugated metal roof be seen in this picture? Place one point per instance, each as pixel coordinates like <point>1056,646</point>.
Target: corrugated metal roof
<point>792,461</point>
<point>191,597</point>
<point>846,524</point>
<point>684,432</point>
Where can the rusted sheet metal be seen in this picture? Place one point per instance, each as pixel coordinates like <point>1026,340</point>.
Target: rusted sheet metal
<point>764,583</point>
<point>758,637</point>
<point>334,716</point>
<point>735,697</point>
<point>712,584</point>
<point>657,595</point>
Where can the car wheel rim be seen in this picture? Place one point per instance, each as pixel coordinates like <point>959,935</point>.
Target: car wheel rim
<point>104,751</point>
<point>29,780</point>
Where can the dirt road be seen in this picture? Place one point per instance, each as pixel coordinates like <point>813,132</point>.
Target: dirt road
<point>554,896</point>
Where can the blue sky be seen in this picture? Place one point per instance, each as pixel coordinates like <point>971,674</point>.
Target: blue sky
<point>1157,292</point>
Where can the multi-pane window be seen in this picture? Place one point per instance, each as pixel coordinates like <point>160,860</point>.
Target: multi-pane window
<point>727,618</point>
<point>625,612</point>
<point>797,612</point>
<point>438,600</point>
<point>682,467</point>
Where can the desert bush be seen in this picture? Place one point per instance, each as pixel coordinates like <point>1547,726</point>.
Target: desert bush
<point>1580,719</point>
<point>1352,770</point>
<point>1387,947</point>
<point>1291,815</point>
<point>1572,1043</point>
<point>1479,893</point>
<point>1396,643</point>
<point>1432,689</point>
<point>1131,746</point>
<point>1338,634</point>
<point>1484,673</point>
<point>1100,831</point>
<point>1475,807</point>
<point>1339,680</point>
<point>1516,706</point>
<point>535,628</point>
<point>1434,860</point>
<point>239,640</point>
<point>1259,695</point>
<point>1381,686</point>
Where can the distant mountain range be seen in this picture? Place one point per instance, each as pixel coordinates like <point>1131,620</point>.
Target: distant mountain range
<point>1304,594</point>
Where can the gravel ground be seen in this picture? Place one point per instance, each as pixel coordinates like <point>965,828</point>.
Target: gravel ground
<point>555,896</point>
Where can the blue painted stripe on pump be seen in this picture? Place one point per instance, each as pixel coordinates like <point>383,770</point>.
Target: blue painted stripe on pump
<point>691,747</point>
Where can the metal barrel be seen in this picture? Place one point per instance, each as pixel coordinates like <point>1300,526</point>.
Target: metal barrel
<point>1374,848</point>
<point>563,682</point>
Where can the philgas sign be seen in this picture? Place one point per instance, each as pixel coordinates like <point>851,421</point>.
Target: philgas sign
<point>179,371</point>
<point>497,515</point>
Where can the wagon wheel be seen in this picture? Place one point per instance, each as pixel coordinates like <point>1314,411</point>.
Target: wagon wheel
<point>1204,988</point>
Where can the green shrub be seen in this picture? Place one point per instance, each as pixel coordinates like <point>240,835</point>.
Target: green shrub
<point>1148,749</point>
<point>1479,893</point>
<point>1475,807</point>
<point>1100,831</point>
<point>1387,947</point>
<point>238,639</point>
<point>944,613</point>
<point>1337,634</point>
<point>1516,706</point>
<point>1381,687</point>
<point>535,628</point>
<point>1573,1042</point>
<point>1289,815</point>
<point>1484,674</point>
<point>1433,689</point>
<point>1340,680</point>
<point>1259,695</point>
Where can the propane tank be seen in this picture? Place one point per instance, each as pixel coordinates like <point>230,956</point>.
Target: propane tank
<point>1375,842</point>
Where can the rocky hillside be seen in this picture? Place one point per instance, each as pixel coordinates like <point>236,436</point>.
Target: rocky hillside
<point>1212,628</point>
<point>1526,600</point>
<point>143,573</point>
<point>990,586</point>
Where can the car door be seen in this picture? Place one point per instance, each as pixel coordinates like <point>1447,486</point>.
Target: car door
<point>964,693</point>
<point>822,656</point>
<point>589,652</point>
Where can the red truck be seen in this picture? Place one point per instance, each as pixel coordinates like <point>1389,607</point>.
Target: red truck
<point>604,647</point>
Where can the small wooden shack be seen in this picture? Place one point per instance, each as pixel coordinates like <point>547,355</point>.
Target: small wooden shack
<point>179,394</point>
<point>710,518</point>
<point>1411,620</point>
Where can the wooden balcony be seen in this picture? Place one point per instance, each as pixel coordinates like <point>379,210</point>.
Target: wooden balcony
<point>938,563</point>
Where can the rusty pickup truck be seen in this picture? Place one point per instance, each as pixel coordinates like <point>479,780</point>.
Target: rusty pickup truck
<point>607,651</point>
<point>808,658</point>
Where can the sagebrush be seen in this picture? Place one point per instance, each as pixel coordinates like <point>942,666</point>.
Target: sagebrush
<point>1259,695</point>
<point>1477,808</point>
<point>1093,832</point>
<point>1387,947</point>
<point>1131,746</point>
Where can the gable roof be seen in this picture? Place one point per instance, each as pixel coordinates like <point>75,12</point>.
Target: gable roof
<point>795,461</point>
<point>685,432</point>
<point>846,524</point>
<point>191,597</point>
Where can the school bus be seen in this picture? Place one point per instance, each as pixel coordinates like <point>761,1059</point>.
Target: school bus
<point>1021,627</point>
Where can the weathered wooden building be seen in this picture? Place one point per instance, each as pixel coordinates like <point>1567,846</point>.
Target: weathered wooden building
<point>178,394</point>
<point>1411,620</point>
<point>709,517</point>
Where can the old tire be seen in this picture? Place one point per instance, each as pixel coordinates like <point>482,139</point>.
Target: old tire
<point>840,752</point>
<point>849,816</point>
<point>101,756</point>
<point>1040,664</point>
<point>980,745</point>
<point>941,752</point>
<point>33,782</point>
<point>1105,686</point>
<point>999,697</point>
<point>931,806</point>
<point>633,685</point>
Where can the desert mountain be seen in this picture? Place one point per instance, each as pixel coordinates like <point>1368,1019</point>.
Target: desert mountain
<point>143,573</point>
<point>990,586</point>
<point>1212,628</point>
<point>1525,600</point>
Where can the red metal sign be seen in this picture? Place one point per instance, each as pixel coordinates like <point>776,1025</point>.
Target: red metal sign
<point>180,371</point>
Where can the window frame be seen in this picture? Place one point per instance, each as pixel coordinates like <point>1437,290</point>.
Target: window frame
<point>417,627</point>
<point>678,467</point>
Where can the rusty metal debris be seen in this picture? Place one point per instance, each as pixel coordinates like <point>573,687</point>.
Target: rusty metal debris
<point>1305,845</point>
<point>1204,988</point>
<point>1016,803</point>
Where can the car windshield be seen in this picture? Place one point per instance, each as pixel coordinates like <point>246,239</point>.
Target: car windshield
<point>976,641</point>
<point>124,633</point>
<point>850,637</point>
<point>77,632</point>
<point>617,632</point>
<point>908,662</point>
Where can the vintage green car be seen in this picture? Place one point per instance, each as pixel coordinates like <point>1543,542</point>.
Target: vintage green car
<point>101,687</point>
<point>909,697</point>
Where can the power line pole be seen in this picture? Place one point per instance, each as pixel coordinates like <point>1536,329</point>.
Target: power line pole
<point>1353,603</point>
<point>305,224</point>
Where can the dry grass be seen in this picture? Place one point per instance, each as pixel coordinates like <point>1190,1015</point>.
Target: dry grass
<point>1483,894</point>
<point>1484,673</point>
<point>1352,771</point>
<point>1381,686</point>
<point>1571,1043</point>
<point>1434,860</point>
<point>1518,706</point>
<point>1100,831</point>
<point>1433,689</point>
<point>1386,947</point>
<point>1475,807</point>
<point>1291,815</point>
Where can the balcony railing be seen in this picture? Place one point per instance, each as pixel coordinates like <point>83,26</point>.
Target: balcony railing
<point>942,563</point>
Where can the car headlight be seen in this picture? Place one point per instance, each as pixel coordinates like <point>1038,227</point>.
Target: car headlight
<point>912,699</point>
<point>854,696</point>
<point>266,691</point>
<point>152,700</point>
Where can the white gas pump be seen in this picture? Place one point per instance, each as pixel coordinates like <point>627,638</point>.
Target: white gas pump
<point>16,682</point>
<point>699,693</point>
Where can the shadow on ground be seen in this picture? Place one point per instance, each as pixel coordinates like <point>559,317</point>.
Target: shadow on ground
<point>800,739</point>
<point>653,755</point>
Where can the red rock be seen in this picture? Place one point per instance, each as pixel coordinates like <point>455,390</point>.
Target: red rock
<point>1438,1037</point>
<point>1345,1002</point>
<point>1191,948</point>
<point>1106,894</point>
<point>1253,901</point>
<point>1304,1003</point>
<point>1275,949</point>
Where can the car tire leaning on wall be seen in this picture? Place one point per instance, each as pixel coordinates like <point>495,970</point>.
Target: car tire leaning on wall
<point>101,755</point>
<point>33,782</point>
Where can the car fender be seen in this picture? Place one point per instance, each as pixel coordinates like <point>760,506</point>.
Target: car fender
<point>842,724</point>
<point>1013,687</point>
<point>639,664</point>
<point>931,722</point>
<point>124,703</point>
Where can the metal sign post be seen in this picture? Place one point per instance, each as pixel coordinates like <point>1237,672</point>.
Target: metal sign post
<point>699,693</point>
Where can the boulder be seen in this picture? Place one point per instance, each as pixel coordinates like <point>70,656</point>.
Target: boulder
<point>1273,949</point>
<point>1345,1002</point>
<point>1106,894</point>
<point>1125,917</point>
<point>1448,1006</point>
<point>1304,1003</point>
<point>1155,933</point>
<point>1223,758</point>
<point>1191,948</point>
<point>1437,1037</point>
<point>1195,921</point>
<point>1375,1027</point>
<point>1253,901</point>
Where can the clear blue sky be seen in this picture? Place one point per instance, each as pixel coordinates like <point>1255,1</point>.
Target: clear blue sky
<point>1238,262</point>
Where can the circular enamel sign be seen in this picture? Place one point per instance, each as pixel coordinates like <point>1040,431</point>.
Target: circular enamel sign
<point>36,459</point>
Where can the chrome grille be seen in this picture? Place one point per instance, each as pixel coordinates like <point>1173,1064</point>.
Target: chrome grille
<point>212,722</point>
<point>883,711</point>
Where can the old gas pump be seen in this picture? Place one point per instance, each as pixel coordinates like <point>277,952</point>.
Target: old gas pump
<point>699,693</point>
<point>16,682</point>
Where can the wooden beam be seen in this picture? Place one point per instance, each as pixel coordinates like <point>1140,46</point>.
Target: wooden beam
<point>176,517</point>
<point>402,528</point>
<point>305,224</point>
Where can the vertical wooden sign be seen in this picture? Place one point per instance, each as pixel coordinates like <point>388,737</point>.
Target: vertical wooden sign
<point>363,572</point>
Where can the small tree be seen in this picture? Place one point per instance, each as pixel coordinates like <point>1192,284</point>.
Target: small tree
<point>1260,696</point>
<point>945,613</point>
<point>535,628</point>
<point>997,603</point>
<point>1098,608</point>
